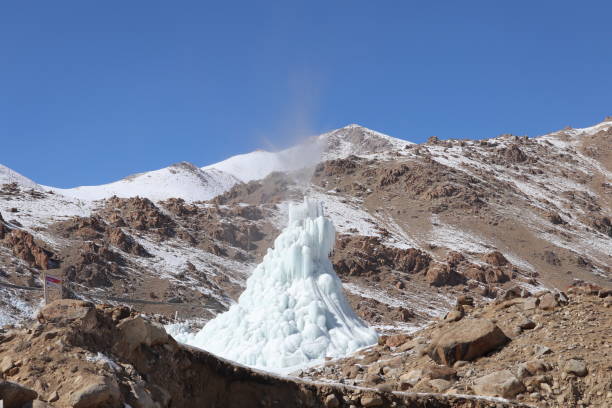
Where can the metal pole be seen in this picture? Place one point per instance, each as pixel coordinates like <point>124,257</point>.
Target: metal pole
<point>44,276</point>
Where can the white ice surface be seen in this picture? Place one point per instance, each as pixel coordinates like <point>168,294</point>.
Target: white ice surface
<point>293,311</point>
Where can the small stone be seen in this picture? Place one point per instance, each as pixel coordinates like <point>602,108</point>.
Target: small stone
<point>499,384</point>
<point>454,316</point>
<point>440,385</point>
<point>576,367</point>
<point>6,364</point>
<point>371,401</point>
<point>54,396</point>
<point>526,324</point>
<point>385,387</point>
<point>411,378</point>
<point>542,350</point>
<point>460,363</point>
<point>465,300</point>
<point>548,302</point>
<point>440,371</point>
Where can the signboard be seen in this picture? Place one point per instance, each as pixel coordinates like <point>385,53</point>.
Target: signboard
<point>53,280</point>
<point>49,282</point>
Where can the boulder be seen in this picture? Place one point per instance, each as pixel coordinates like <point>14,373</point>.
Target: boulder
<point>441,275</point>
<point>498,384</point>
<point>440,385</point>
<point>397,340</point>
<point>526,324</point>
<point>101,392</point>
<point>15,395</point>
<point>440,372</point>
<point>466,340</point>
<point>548,302</point>
<point>69,310</point>
<point>495,258</point>
<point>576,367</point>
<point>371,401</point>
<point>533,367</point>
<point>411,378</point>
<point>135,331</point>
<point>331,401</point>
<point>465,300</point>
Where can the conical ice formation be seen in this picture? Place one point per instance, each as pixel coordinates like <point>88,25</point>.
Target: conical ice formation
<point>293,310</point>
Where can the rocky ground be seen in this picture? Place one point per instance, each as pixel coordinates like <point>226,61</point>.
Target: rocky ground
<point>85,356</point>
<point>546,349</point>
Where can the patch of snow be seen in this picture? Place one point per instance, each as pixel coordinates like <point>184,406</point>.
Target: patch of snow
<point>453,238</point>
<point>103,359</point>
<point>14,309</point>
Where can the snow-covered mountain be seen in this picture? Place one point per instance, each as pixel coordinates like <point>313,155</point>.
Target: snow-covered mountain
<point>186,181</point>
<point>343,142</point>
<point>8,176</point>
<point>181,180</point>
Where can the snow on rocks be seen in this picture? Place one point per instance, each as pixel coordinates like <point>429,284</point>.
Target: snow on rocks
<point>293,311</point>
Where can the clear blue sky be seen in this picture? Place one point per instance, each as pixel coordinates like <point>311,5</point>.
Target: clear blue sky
<point>91,91</point>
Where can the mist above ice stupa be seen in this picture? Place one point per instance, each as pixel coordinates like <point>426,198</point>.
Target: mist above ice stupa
<point>292,311</point>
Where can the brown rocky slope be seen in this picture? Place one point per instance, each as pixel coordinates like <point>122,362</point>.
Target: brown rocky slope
<point>85,356</point>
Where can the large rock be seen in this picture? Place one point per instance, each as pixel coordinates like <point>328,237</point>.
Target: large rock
<point>576,367</point>
<point>69,310</point>
<point>15,395</point>
<point>499,384</point>
<point>442,274</point>
<point>135,331</point>
<point>466,340</point>
<point>101,392</point>
<point>495,258</point>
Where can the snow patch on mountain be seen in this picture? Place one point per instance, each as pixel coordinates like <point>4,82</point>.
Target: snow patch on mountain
<point>8,176</point>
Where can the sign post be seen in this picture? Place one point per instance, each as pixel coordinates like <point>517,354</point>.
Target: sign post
<point>50,280</point>
<point>44,278</point>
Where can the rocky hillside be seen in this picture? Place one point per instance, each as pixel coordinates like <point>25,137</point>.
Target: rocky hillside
<point>546,349</point>
<point>418,225</point>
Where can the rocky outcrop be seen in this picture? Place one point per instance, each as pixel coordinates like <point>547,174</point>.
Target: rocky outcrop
<point>365,255</point>
<point>92,264</point>
<point>25,247</point>
<point>126,243</point>
<point>495,258</point>
<point>439,274</point>
<point>140,214</point>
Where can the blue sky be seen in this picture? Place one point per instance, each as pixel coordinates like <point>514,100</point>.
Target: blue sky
<point>93,91</point>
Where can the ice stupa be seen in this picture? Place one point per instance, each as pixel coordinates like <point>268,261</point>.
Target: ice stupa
<point>293,311</point>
